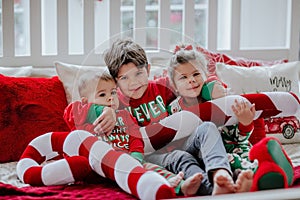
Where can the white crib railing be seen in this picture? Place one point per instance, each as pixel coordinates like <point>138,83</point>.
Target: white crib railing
<point>110,19</point>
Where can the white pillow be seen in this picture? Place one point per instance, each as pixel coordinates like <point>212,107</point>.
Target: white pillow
<point>28,71</point>
<point>279,77</point>
<point>69,75</point>
<point>22,71</point>
<point>242,80</point>
<point>43,72</point>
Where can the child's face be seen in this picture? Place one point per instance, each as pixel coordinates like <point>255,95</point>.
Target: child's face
<point>133,81</point>
<point>105,94</point>
<point>188,80</point>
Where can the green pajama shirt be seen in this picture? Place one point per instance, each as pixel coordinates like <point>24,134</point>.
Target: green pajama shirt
<point>237,145</point>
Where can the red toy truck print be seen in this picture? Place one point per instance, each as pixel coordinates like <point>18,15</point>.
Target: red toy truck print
<point>288,126</point>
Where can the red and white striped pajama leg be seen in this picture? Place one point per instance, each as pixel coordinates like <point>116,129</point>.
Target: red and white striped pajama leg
<point>172,128</point>
<point>275,104</point>
<point>58,172</point>
<point>128,173</point>
<point>267,104</point>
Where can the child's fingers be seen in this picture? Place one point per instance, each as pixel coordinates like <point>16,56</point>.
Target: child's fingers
<point>252,108</point>
<point>235,111</point>
<point>244,104</point>
<point>237,104</point>
<point>107,126</point>
<point>104,126</point>
<point>98,120</point>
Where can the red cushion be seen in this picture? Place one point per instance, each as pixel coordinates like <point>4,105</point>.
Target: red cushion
<point>214,57</point>
<point>29,107</point>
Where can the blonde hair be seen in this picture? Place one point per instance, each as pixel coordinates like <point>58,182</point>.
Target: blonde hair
<point>90,80</point>
<point>123,52</point>
<point>184,53</point>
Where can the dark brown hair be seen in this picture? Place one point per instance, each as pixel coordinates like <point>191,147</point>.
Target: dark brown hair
<point>123,52</point>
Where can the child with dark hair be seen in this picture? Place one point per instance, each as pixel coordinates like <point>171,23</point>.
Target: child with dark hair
<point>147,101</point>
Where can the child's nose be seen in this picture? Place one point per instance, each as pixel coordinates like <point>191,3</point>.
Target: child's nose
<point>132,81</point>
<point>110,98</point>
<point>192,80</point>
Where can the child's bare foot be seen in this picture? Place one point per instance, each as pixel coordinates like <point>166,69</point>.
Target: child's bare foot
<point>223,182</point>
<point>191,184</point>
<point>244,181</point>
<point>174,181</point>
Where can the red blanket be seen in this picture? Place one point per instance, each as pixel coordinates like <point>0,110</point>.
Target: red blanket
<point>100,189</point>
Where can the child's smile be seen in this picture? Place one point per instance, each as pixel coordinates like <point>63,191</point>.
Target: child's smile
<point>188,80</point>
<point>132,81</point>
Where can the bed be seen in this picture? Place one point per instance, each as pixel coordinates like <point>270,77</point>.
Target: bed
<point>35,90</point>
<point>38,96</point>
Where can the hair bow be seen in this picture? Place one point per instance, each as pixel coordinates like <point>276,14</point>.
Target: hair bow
<point>188,48</point>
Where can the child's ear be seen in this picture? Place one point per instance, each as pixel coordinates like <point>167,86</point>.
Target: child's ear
<point>148,68</point>
<point>84,100</point>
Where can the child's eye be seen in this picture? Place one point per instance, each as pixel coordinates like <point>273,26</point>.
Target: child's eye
<point>182,77</point>
<point>114,92</point>
<point>123,78</point>
<point>197,74</point>
<point>139,73</point>
<point>102,95</point>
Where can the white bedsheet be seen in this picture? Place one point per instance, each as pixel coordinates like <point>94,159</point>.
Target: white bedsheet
<point>8,174</point>
<point>8,170</point>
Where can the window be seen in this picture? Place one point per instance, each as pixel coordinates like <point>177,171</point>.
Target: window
<point>78,27</point>
<point>258,29</point>
<point>270,31</point>
<point>152,23</point>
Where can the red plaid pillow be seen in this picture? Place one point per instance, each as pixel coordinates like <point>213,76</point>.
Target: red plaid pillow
<point>213,58</point>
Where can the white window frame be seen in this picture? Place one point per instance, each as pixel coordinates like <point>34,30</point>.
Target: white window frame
<point>112,19</point>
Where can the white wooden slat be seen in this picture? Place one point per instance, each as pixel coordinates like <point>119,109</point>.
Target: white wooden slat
<point>140,28</point>
<point>164,32</point>
<point>49,26</point>
<point>102,24</point>
<point>188,21</point>
<point>62,27</point>
<point>89,28</point>
<point>212,24</point>
<point>8,28</point>
<point>294,34</point>
<point>235,25</point>
<point>35,28</point>
<point>114,20</point>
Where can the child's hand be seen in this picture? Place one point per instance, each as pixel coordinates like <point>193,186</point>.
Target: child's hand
<point>213,90</point>
<point>218,91</point>
<point>106,122</point>
<point>244,112</point>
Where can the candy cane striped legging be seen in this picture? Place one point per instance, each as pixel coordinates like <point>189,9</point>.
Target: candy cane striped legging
<point>83,153</point>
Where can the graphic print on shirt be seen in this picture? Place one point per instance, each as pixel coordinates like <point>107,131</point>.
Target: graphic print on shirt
<point>150,110</point>
<point>118,139</point>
